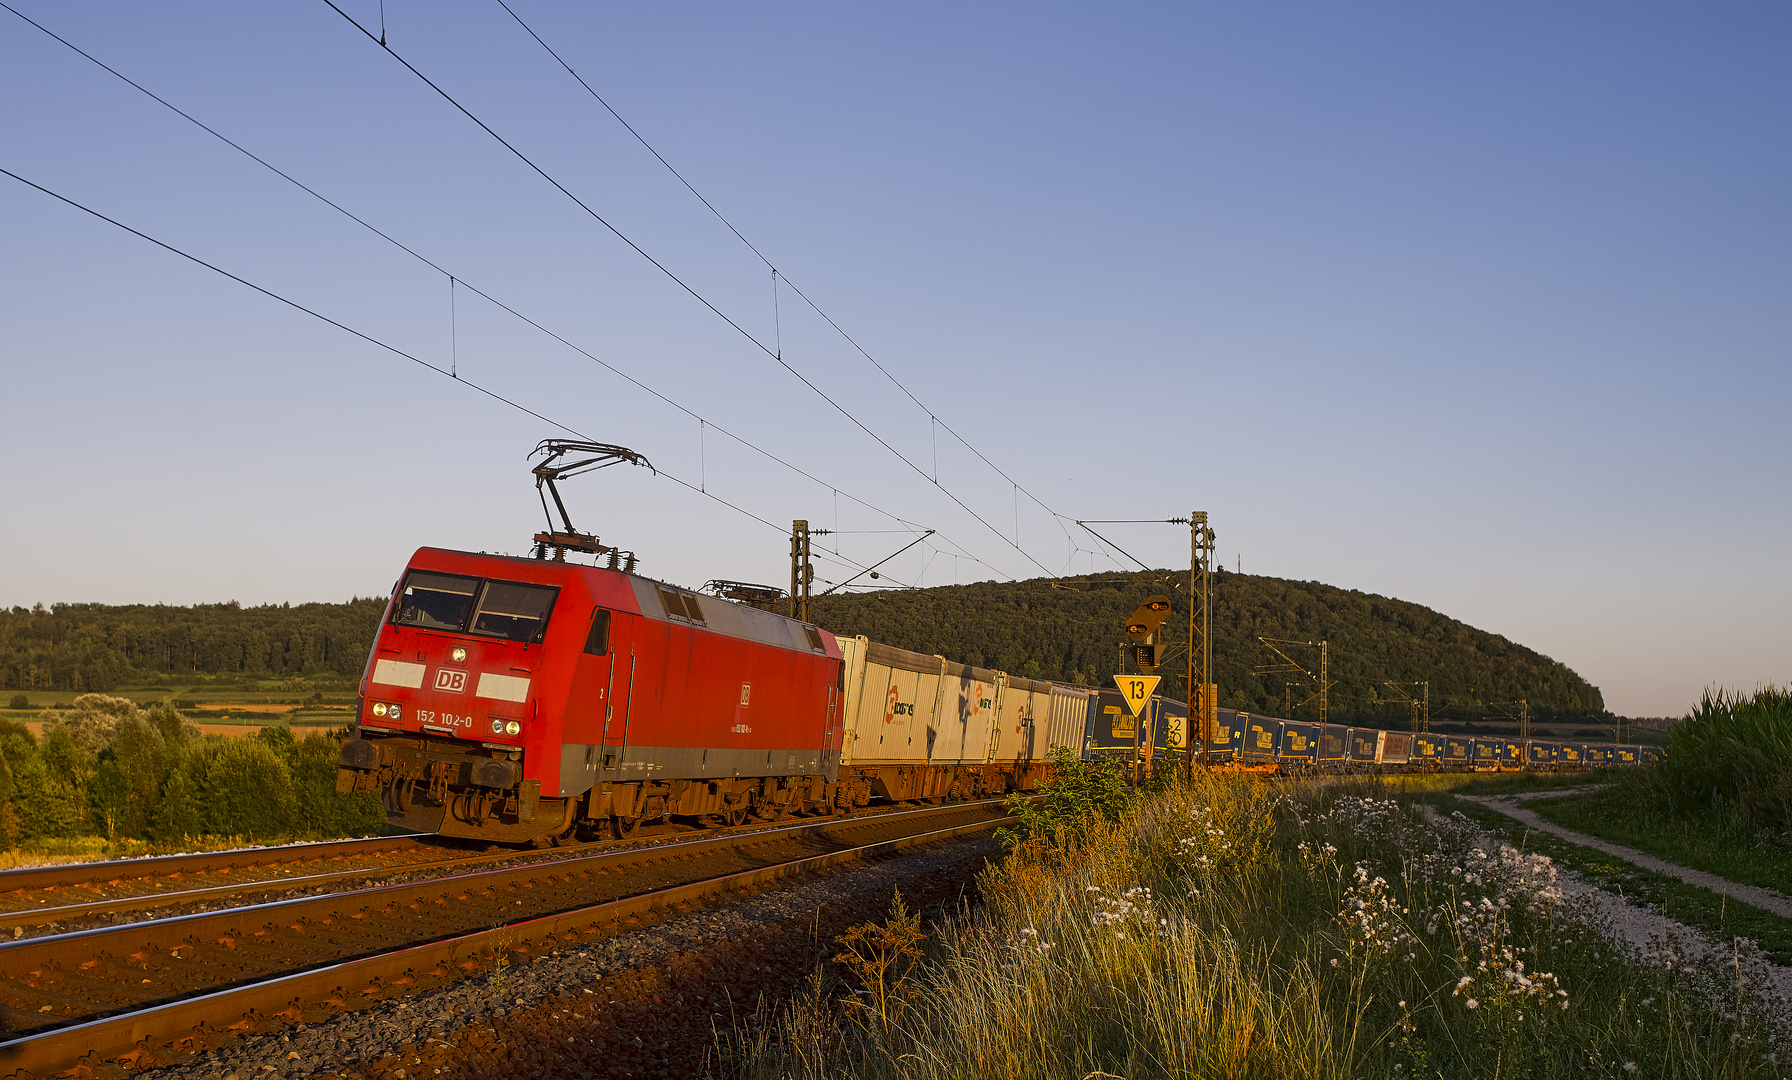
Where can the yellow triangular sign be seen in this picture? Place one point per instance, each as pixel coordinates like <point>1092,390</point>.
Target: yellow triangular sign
<point>1135,690</point>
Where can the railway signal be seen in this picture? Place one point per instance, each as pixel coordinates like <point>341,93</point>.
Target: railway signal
<point>1142,627</point>
<point>1203,694</point>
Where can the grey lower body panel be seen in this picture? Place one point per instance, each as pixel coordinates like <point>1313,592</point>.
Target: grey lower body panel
<point>695,763</point>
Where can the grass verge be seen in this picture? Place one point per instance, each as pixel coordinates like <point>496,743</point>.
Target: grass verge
<point>1238,929</point>
<point>1707,842</point>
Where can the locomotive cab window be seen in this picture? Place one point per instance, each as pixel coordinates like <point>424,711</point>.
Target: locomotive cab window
<point>514,611</point>
<point>435,601</point>
<point>597,643</point>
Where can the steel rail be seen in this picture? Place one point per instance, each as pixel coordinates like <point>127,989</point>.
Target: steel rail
<point>195,1023</point>
<point>141,901</point>
<point>75,875</point>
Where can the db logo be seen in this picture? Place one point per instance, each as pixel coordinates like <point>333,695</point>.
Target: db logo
<point>453,682</point>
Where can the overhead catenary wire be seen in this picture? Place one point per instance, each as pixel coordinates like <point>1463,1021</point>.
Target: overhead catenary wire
<point>371,340</point>
<point>699,297</point>
<point>454,282</point>
<point>932,417</point>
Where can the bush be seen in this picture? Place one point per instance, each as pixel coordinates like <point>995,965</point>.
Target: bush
<point>19,701</point>
<point>1077,795</point>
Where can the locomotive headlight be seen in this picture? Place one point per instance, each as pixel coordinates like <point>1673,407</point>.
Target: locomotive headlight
<point>512,728</point>
<point>497,727</point>
<point>459,655</point>
<point>379,708</point>
<point>392,711</point>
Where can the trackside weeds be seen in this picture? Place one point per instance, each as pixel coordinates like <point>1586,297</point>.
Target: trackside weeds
<point>1320,930</point>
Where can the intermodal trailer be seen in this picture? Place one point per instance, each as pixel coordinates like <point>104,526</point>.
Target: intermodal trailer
<point>1261,738</point>
<point>1396,747</point>
<point>920,726</point>
<point>1599,755</point>
<point>1334,745</point>
<point>1227,739</point>
<point>1297,742</point>
<point>1540,754</point>
<point>1113,729</point>
<point>1427,750</point>
<point>1364,746</point>
<point>1459,752</point>
<point>1572,755</point>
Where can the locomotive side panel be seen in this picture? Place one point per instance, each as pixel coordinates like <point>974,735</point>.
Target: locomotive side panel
<point>712,702</point>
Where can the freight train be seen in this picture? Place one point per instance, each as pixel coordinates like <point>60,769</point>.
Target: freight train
<point>536,700</point>
<point>1242,738</point>
<point>524,700</point>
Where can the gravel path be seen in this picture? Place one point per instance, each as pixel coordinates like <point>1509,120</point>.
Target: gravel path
<point>1766,899</point>
<point>1655,938</point>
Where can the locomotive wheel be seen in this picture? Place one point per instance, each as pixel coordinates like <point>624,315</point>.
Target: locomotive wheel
<point>567,838</point>
<point>735,814</point>
<point>624,827</point>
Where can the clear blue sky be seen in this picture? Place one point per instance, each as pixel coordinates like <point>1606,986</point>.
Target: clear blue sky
<point>1480,306</point>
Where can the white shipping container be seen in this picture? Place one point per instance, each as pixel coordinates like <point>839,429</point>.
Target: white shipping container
<point>1069,720</point>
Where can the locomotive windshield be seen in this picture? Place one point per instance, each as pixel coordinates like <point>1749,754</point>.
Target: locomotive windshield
<point>436,601</point>
<point>505,609</point>
<point>517,612</point>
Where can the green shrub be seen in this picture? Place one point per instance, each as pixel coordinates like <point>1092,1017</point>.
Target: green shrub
<point>1076,795</point>
<point>20,701</point>
<point>243,787</point>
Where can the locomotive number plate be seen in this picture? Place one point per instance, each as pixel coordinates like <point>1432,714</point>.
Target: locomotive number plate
<point>424,716</point>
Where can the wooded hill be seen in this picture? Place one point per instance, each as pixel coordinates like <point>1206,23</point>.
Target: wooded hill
<point>1071,630</point>
<point>88,647</point>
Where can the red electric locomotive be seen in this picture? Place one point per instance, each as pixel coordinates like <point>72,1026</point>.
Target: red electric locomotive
<point>513,698</point>
<point>521,699</point>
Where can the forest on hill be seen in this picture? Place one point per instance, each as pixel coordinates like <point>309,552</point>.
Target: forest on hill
<point>1070,629</point>
<point>98,647</point>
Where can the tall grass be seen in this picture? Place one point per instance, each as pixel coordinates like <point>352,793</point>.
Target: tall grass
<point>1734,752</point>
<point>1231,929</point>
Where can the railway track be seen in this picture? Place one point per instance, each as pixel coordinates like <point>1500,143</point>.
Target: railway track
<point>68,896</point>
<point>36,895</point>
<point>155,990</point>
